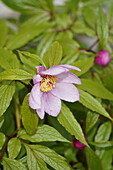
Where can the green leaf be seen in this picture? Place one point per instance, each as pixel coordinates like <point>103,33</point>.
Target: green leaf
<point>63,21</point>
<point>30,61</point>
<point>45,43</point>
<point>6,93</point>
<point>32,58</point>
<point>29,64</point>
<point>79,27</point>
<point>106,159</point>
<point>40,18</point>
<point>89,18</point>
<point>10,164</point>
<point>23,160</point>
<point>24,35</point>
<point>91,120</point>
<point>107,78</point>
<point>110,14</point>
<point>34,161</point>
<point>61,36</point>
<point>110,40</point>
<point>79,166</point>
<point>2,140</point>
<point>82,64</point>
<point>50,5</point>
<point>93,161</point>
<point>49,156</point>
<point>3,32</point>
<point>90,102</point>
<point>70,58</point>
<point>96,2</point>
<point>1,120</point>
<point>29,116</point>
<point>96,89</point>
<point>102,28</point>
<point>54,54</point>
<point>92,132</point>
<point>72,5</point>
<point>30,6</point>
<point>103,132</point>
<point>24,6</point>
<point>55,123</point>
<point>68,45</point>
<point>8,59</point>
<point>14,146</point>
<point>9,126</point>
<point>15,74</point>
<point>102,144</point>
<point>68,121</point>
<point>42,134</point>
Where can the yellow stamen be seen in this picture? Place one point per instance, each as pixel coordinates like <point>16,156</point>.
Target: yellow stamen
<point>47,83</point>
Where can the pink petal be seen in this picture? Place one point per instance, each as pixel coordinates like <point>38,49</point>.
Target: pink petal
<point>54,70</point>
<point>40,68</point>
<point>58,69</point>
<point>68,78</point>
<point>41,112</point>
<point>52,104</point>
<point>69,67</point>
<point>66,91</point>
<point>35,97</point>
<point>36,79</point>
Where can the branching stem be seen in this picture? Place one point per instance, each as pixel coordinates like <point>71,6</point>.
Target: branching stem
<point>5,145</point>
<point>4,148</point>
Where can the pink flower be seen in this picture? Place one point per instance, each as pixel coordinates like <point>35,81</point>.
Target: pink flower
<point>103,58</point>
<point>79,145</point>
<point>52,85</point>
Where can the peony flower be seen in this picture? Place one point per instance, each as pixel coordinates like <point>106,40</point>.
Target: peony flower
<point>79,145</point>
<point>52,85</point>
<point>103,58</point>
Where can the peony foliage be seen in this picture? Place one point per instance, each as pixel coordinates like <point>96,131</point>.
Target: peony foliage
<point>56,85</point>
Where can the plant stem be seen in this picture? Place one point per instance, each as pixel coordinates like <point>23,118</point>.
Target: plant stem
<point>52,15</point>
<point>12,134</point>
<point>92,73</point>
<point>23,83</point>
<point>9,137</point>
<point>93,44</point>
<point>6,135</point>
<point>108,108</point>
<point>88,50</point>
<point>17,114</point>
<point>4,148</point>
<point>24,143</point>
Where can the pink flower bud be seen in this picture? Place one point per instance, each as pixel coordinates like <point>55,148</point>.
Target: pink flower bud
<point>79,145</point>
<point>103,58</point>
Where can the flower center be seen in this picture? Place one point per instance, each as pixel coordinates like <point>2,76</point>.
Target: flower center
<point>47,83</point>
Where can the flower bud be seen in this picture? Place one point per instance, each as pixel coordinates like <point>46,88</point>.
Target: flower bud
<point>103,58</point>
<point>79,145</point>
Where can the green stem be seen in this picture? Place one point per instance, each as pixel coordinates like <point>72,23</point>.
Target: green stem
<point>17,114</point>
